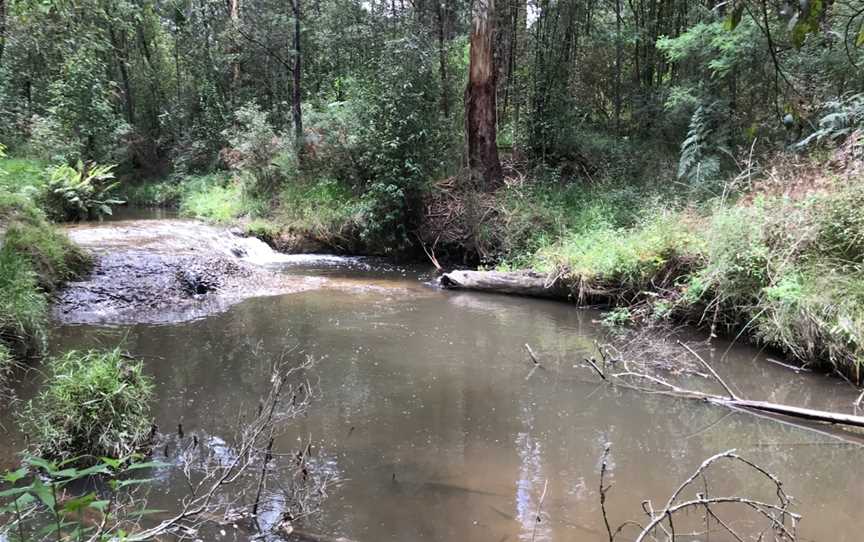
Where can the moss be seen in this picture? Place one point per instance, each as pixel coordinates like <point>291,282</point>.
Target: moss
<point>94,403</point>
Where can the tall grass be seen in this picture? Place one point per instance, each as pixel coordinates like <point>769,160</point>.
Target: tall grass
<point>34,260</point>
<point>788,274</point>
<point>23,307</point>
<point>94,403</point>
<point>213,197</point>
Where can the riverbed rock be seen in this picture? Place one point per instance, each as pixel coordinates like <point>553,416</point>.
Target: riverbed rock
<point>144,287</point>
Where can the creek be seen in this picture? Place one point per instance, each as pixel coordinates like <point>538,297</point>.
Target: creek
<point>431,415</point>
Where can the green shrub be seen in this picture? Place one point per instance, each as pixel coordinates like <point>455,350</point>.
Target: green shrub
<point>46,497</point>
<point>625,261</point>
<point>324,210</point>
<point>737,258</point>
<point>840,221</point>
<point>94,403</point>
<point>213,197</point>
<point>254,147</point>
<point>79,193</point>
<point>166,193</point>
<point>34,259</point>
<point>21,176</point>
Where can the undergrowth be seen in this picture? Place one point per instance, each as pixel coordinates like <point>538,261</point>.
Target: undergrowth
<point>786,273</point>
<point>93,404</point>
<point>34,260</point>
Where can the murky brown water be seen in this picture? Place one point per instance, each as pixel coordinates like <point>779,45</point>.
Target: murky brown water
<point>432,416</point>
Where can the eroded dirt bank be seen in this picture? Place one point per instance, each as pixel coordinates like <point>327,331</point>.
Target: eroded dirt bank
<point>169,271</point>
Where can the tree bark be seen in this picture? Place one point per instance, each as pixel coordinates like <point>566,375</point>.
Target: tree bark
<point>514,283</point>
<point>442,60</point>
<point>480,106</point>
<point>296,72</point>
<point>120,50</point>
<point>618,55</point>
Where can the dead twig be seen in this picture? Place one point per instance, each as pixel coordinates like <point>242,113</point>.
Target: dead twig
<point>539,509</point>
<point>596,369</point>
<point>711,370</point>
<point>531,353</point>
<point>778,514</point>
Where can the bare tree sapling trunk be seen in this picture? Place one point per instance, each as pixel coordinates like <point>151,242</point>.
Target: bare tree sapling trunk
<point>2,29</point>
<point>296,72</point>
<point>234,15</point>
<point>480,106</point>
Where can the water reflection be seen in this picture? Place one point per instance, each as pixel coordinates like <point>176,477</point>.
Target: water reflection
<point>429,413</point>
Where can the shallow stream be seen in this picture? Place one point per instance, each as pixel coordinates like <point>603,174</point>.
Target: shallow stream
<point>432,416</point>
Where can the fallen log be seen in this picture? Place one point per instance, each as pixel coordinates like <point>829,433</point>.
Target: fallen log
<point>525,283</point>
<point>836,418</point>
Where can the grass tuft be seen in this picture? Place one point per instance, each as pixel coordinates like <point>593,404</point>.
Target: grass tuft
<point>94,403</point>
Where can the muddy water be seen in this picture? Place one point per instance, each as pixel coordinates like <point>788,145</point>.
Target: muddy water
<point>433,418</point>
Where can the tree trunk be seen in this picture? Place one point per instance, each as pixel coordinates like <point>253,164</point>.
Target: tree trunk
<point>234,15</point>
<point>618,54</point>
<point>515,283</point>
<point>120,50</point>
<point>480,107</point>
<point>442,60</point>
<point>2,29</point>
<point>296,96</point>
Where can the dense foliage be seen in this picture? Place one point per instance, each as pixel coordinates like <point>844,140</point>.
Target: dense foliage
<point>636,137</point>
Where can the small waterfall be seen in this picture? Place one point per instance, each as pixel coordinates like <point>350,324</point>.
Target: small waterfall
<point>174,236</point>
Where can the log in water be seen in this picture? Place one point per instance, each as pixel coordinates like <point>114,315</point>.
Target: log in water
<point>506,282</point>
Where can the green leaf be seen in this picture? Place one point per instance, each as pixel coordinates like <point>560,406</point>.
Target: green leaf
<point>113,463</point>
<point>99,505</point>
<point>44,493</point>
<point>25,500</point>
<point>69,474</point>
<point>860,41</point>
<point>47,466</point>
<point>77,504</point>
<point>13,491</point>
<point>148,465</point>
<point>14,476</point>
<point>95,469</point>
<point>120,484</point>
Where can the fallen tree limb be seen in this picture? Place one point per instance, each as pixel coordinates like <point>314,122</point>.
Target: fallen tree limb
<point>661,386</point>
<point>524,283</point>
<point>776,517</point>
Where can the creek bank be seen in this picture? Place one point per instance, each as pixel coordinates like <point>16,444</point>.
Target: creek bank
<point>530,283</point>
